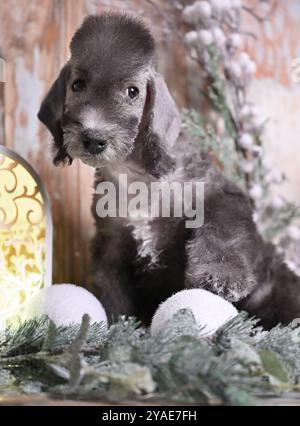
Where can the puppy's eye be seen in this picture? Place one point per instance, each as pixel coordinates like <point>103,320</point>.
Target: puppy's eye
<point>78,85</point>
<point>133,92</point>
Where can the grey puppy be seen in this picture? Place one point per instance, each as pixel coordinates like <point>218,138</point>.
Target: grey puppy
<point>110,108</point>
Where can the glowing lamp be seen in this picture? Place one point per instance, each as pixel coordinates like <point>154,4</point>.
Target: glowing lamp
<point>25,236</point>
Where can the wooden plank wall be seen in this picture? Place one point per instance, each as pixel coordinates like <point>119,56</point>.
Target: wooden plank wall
<point>34,38</point>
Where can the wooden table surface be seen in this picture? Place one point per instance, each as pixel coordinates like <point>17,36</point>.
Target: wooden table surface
<point>290,400</point>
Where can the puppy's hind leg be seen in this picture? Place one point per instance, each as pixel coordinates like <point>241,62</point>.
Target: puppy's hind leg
<point>222,271</point>
<point>222,254</point>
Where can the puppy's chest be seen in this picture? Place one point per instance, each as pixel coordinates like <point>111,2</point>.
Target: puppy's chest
<point>130,214</point>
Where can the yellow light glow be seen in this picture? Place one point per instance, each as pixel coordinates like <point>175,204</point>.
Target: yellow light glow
<point>23,222</point>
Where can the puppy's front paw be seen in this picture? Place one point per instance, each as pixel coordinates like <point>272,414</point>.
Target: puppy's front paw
<point>231,287</point>
<point>231,283</point>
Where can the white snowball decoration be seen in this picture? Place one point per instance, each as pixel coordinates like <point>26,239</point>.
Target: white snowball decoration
<point>254,124</point>
<point>205,37</point>
<point>235,40</point>
<point>234,70</point>
<point>254,111</point>
<point>291,265</point>
<point>219,5</point>
<point>257,151</point>
<point>247,166</point>
<point>256,192</point>
<point>248,65</point>
<point>243,59</point>
<point>275,177</point>
<point>251,122</point>
<point>219,36</point>
<point>189,14</point>
<point>251,114</point>
<point>246,141</point>
<point>208,309</point>
<point>203,8</point>
<point>277,202</point>
<point>66,304</point>
<point>293,232</point>
<point>246,111</point>
<point>191,38</point>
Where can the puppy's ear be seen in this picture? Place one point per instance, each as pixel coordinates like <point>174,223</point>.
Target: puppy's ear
<point>50,114</point>
<point>162,117</point>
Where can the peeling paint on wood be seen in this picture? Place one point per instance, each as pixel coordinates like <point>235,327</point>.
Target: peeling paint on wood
<point>278,40</point>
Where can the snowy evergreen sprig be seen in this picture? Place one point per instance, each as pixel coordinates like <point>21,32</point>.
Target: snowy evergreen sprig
<point>216,42</point>
<point>236,366</point>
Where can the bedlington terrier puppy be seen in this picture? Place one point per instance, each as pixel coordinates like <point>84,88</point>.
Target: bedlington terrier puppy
<point>110,108</point>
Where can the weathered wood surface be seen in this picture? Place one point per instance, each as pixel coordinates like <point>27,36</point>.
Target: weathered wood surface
<point>22,400</point>
<point>34,39</point>
<point>292,400</point>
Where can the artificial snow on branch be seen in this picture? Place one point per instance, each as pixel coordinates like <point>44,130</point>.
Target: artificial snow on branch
<point>125,362</point>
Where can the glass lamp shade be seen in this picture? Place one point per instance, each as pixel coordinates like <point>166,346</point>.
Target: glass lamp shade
<point>25,236</point>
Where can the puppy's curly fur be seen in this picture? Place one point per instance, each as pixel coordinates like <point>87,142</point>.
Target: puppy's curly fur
<point>139,263</point>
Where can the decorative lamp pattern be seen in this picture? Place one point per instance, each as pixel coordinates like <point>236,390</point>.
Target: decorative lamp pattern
<point>25,236</point>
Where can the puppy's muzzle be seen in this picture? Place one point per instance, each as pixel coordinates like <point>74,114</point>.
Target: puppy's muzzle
<point>93,142</point>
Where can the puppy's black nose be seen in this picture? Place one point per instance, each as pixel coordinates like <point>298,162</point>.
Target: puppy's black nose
<point>93,143</point>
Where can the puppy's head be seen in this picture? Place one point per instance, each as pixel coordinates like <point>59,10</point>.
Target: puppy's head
<point>107,93</point>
